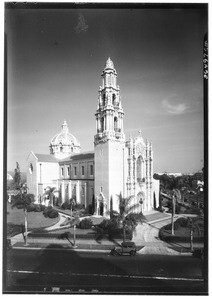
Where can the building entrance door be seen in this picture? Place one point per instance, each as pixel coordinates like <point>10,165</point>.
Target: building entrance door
<point>101,208</point>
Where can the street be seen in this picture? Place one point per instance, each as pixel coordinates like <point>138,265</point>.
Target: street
<point>31,271</point>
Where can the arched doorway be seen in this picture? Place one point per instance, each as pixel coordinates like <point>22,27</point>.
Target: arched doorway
<point>141,200</point>
<point>101,208</point>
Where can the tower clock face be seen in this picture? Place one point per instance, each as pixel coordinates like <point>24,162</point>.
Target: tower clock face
<point>30,168</point>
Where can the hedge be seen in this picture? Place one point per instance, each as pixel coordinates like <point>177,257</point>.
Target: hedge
<point>85,223</point>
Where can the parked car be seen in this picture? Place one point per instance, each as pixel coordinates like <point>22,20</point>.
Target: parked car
<point>126,248</point>
<point>199,253</point>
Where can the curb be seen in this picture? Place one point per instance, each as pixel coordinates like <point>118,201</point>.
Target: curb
<point>96,251</point>
<point>59,249</point>
<point>87,250</point>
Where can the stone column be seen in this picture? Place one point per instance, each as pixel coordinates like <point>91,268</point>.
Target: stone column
<point>69,190</point>
<point>85,194</point>
<point>78,192</point>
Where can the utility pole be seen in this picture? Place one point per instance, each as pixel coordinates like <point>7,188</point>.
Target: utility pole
<point>173,212</point>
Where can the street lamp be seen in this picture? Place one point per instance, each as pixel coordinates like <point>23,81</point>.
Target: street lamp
<point>23,190</point>
<point>191,234</point>
<point>173,213</point>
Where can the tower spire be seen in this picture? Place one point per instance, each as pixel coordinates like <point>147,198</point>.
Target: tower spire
<point>109,64</point>
<point>109,114</point>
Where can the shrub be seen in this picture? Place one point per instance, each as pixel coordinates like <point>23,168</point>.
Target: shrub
<point>193,210</point>
<point>57,202</point>
<point>113,227</point>
<point>35,207</point>
<point>53,214</point>
<point>104,224</point>
<point>89,209</point>
<point>134,218</point>
<point>169,226</point>
<point>183,222</point>
<point>50,212</point>
<point>43,207</point>
<point>78,206</point>
<point>65,205</point>
<point>31,207</point>
<point>86,223</point>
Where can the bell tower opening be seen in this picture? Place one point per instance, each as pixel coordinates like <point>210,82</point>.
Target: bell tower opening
<point>114,99</point>
<point>104,99</point>
<point>116,124</point>
<point>102,124</point>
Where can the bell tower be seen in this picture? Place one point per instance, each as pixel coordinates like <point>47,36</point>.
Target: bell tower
<point>109,141</point>
<point>109,114</point>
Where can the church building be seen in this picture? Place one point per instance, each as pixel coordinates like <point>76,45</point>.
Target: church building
<point>115,166</point>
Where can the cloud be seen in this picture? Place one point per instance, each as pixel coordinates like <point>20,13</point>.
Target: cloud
<point>175,109</point>
<point>81,26</point>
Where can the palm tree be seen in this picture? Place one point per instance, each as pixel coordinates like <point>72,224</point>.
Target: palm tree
<point>22,200</point>
<point>72,203</point>
<point>125,208</point>
<point>175,194</point>
<point>196,226</point>
<point>74,221</point>
<point>50,193</point>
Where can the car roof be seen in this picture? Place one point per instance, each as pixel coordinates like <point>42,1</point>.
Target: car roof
<point>128,244</point>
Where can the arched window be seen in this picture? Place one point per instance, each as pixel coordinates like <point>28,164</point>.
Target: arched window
<point>116,124</point>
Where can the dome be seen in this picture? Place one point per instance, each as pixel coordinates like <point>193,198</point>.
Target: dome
<point>64,137</point>
<point>64,143</point>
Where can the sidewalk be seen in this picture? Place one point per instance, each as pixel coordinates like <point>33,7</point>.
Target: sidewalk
<point>145,238</point>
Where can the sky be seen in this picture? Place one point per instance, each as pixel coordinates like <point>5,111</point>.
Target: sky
<point>55,58</point>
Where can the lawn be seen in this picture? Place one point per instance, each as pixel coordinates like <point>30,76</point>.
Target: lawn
<point>182,231</point>
<point>15,220</point>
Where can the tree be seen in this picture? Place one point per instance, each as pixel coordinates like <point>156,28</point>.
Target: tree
<point>72,203</point>
<point>125,208</point>
<point>73,222</point>
<point>50,194</point>
<point>22,200</point>
<point>17,177</point>
<point>175,194</point>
